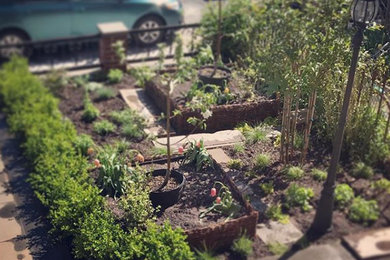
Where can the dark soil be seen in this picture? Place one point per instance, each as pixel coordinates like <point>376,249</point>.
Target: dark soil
<point>195,199</point>
<point>318,157</point>
<point>71,106</point>
<point>156,182</point>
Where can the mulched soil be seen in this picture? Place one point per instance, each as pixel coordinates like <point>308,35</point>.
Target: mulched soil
<point>195,199</point>
<point>318,157</point>
<point>71,106</point>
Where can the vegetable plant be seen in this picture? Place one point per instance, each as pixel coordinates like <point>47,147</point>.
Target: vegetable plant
<point>223,203</point>
<point>363,211</point>
<point>297,196</point>
<point>343,195</point>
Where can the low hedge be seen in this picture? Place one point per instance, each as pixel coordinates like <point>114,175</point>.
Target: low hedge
<point>61,182</point>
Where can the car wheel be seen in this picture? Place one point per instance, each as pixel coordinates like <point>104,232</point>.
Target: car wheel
<point>13,38</point>
<point>152,37</point>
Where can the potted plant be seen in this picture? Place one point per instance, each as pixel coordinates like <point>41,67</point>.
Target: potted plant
<point>214,74</point>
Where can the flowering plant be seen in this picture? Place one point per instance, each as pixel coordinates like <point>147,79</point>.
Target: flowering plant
<point>196,153</point>
<point>223,203</point>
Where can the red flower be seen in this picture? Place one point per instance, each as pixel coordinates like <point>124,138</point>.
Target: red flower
<point>218,200</point>
<point>213,192</point>
<point>198,144</point>
<point>180,150</point>
<point>97,164</point>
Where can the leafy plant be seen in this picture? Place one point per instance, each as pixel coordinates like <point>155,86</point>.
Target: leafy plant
<point>255,134</point>
<point>159,151</point>
<point>262,161</point>
<point>105,93</point>
<point>55,80</point>
<point>363,211</point>
<point>104,127</point>
<point>81,81</point>
<point>297,196</point>
<point>197,154</point>
<point>90,112</point>
<point>381,185</point>
<point>121,146</point>
<point>93,86</point>
<point>82,143</point>
<point>205,254</point>
<point>319,175</point>
<point>267,188</point>
<point>274,212</point>
<point>235,164</point>
<point>132,123</point>
<point>115,76</point>
<point>142,75</point>
<point>343,195</point>
<point>277,248</point>
<point>224,202</point>
<point>238,148</point>
<point>243,246</point>
<point>120,51</point>
<point>294,173</point>
<point>361,170</point>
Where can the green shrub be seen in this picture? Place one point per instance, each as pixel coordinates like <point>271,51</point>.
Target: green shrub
<point>104,93</point>
<point>121,146</point>
<point>267,188</point>
<point>93,86</point>
<point>243,246</point>
<point>238,148</point>
<point>343,195</point>
<point>235,164</point>
<point>297,196</point>
<point>363,211</point>
<point>262,161</point>
<point>294,173</point>
<point>90,112</point>
<point>274,212</point>
<point>82,143</point>
<point>104,127</point>
<point>277,248</point>
<point>381,185</point>
<point>361,170</point>
<point>115,76</point>
<point>319,175</point>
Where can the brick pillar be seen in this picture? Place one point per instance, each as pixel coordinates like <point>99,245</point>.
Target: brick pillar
<point>110,33</point>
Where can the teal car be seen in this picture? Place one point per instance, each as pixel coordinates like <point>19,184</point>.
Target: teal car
<point>35,20</point>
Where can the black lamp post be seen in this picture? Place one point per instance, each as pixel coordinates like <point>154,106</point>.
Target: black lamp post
<point>363,12</point>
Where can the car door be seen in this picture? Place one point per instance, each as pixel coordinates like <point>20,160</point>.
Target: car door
<point>44,19</point>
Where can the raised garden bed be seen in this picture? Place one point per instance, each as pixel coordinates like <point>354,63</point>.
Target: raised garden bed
<point>224,116</point>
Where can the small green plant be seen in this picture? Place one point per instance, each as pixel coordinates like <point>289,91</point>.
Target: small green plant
<point>142,75</point>
<point>122,146</point>
<point>205,253</point>
<point>267,188</point>
<point>132,124</point>
<point>363,211</point>
<point>238,148</point>
<point>224,202</point>
<point>159,151</point>
<point>104,127</point>
<point>105,93</point>
<point>197,154</point>
<point>381,185</point>
<point>55,80</point>
<point>298,141</point>
<point>81,81</point>
<point>294,173</point>
<point>90,112</point>
<point>343,195</point>
<point>132,131</point>
<point>255,134</point>
<point>119,51</point>
<point>115,76</point>
<point>243,246</point>
<point>82,143</point>
<point>235,164</point>
<point>93,86</point>
<point>297,196</point>
<point>275,213</point>
<point>319,175</point>
<point>277,248</point>
<point>262,161</point>
<point>361,170</point>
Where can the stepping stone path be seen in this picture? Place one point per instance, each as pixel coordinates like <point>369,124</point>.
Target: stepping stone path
<point>275,232</point>
<point>370,244</point>
<point>217,139</point>
<point>137,100</point>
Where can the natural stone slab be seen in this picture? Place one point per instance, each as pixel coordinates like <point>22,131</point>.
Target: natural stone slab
<point>219,155</point>
<point>217,139</point>
<point>374,243</point>
<point>137,100</point>
<point>321,252</point>
<point>257,204</point>
<point>277,232</point>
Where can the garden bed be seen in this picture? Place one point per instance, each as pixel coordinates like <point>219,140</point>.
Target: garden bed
<point>223,116</point>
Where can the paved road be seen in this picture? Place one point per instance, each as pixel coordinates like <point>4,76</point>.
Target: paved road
<point>193,10</point>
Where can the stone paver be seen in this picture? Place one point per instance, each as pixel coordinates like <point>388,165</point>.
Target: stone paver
<point>370,244</point>
<point>322,252</point>
<point>8,252</point>
<point>214,140</point>
<point>219,156</point>
<point>277,232</point>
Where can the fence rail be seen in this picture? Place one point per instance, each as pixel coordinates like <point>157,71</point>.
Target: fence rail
<point>82,52</point>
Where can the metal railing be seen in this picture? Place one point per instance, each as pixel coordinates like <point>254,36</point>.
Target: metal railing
<point>77,53</point>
